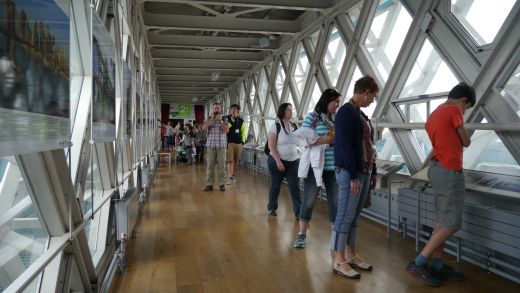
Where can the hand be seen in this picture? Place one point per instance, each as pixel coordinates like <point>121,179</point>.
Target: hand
<point>327,139</point>
<point>373,182</point>
<point>355,186</point>
<point>280,166</point>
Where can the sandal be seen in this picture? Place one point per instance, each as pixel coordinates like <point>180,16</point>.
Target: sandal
<point>351,274</point>
<point>362,266</point>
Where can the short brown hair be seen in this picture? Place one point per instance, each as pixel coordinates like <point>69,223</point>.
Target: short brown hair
<point>367,82</point>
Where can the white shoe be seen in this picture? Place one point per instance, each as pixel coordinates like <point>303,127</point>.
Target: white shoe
<point>230,181</point>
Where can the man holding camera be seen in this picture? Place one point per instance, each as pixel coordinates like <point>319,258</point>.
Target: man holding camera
<point>216,145</point>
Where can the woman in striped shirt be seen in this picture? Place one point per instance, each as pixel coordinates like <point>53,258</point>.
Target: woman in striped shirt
<point>322,121</point>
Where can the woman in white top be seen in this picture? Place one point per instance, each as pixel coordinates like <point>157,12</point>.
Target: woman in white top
<point>283,160</point>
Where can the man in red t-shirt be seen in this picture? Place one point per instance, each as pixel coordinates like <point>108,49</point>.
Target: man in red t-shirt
<point>445,127</point>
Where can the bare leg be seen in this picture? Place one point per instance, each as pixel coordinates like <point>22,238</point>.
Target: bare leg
<point>435,245</point>
<point>304,226</point>
<point>231,169</point>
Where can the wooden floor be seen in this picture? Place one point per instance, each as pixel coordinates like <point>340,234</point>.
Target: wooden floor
<point>194,241</point>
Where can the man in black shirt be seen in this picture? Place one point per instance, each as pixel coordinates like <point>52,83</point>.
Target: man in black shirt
<point>236,137</point>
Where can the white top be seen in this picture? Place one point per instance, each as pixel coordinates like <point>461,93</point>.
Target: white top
<point>285,145</point>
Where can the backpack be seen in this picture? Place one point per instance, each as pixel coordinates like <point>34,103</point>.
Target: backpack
<point>267,151</point>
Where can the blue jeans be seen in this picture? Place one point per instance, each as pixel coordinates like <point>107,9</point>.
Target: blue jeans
<point>349,208</point>
<point>310,194</point>
<point>291,173</point>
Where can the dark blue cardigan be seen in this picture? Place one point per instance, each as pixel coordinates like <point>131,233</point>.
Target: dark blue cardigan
<point>348,141</point>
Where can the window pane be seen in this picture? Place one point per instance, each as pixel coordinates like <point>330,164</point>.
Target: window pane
<point>256,128</point>
<point>350,90</point>
<point>93,185</point>
<point>22,237</point>
<point>316,94</point>
<point>511,91</point>
<point>429,75</point>
<point>421,136</point>
<point>436,103</point>
<point>243,104</point>
<point>488,153</point>
<point>334,55</point>
<point>280,79</point>
<point>418,113</point>
<point>263,88</point>
<point>290,99</point>
<point>271,111</point>
<point>386,35</point>
<point>353,14</point>
<point>252,93</point>
<point>313,39</point>
<point>387,149</point>
<point>302,69</point>
<point>482,19</point>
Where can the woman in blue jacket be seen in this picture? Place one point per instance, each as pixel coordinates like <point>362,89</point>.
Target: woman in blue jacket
<point>354,158</point>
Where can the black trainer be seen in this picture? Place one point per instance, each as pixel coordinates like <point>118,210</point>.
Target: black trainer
<point>447,273</point>
<point>273,213</point>
<point>423,274</point>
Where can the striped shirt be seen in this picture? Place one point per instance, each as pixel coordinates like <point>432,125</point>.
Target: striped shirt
<point>216,139</point>
<point>321,129</point>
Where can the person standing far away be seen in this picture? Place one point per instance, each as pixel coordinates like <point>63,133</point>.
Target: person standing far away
<point>283,160</point>
<point>354,159</point>
<point>169,135</point>
<point>217,127</point>
<point>445,128</point>
<point>320,121</point>
<point>236,137</point>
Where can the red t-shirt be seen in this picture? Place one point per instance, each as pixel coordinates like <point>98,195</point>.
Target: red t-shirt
<point>442,129</point>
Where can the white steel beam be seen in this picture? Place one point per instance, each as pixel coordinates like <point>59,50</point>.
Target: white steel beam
<point>311,5</point>
<point>183,41</point>
<point>209,23</point>
<point>209,55</point>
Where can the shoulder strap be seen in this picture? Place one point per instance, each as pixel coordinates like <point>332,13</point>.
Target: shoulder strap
<point>294,125</point>
<point>278,128</point>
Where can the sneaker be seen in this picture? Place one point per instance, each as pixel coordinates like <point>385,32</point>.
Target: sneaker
<point>235,180</point>
<point>300,241</point>
<point>422,273</point>
<point>273,213</point>
<point>222,187</point>
<point>208,188</point>
<point>447,273</point>
<point>230,181</point>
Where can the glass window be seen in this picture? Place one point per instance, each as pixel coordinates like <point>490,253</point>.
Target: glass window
<point>386,35</point>
<point>313,40</point>
<point>350,90</point>
<point>436,103</point>
<point>422,139</point>
<point>487,153</point>
<point>511,90</point>
<point>93,186</point>
<point>290,99</point>
<point>302,69</point>
<point>430,74</point>
<point>280,79</point>
<point>263,88</point>
<point>353,14</point>
<point>270,111</point>
<point>387,149</point>
<point>252,93</point>
<point>334,55</point>
<point>418,112</point>
<point>482,19</point>
<point>22,236</point>
<point>242,98</point>
<point>256,128</point>
<point>316,94</point>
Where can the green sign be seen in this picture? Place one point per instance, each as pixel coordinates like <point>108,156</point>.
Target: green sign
<point>184,110</point>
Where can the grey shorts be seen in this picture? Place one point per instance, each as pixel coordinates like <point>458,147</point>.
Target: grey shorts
<point>449,189</point>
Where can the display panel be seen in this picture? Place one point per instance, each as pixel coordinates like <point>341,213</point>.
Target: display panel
<point>103,80</point>
<point>34,76</point>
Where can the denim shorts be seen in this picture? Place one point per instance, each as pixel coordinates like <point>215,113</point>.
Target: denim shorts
<point>449,189</point>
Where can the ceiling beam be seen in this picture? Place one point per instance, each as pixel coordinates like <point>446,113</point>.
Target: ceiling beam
<point>312,5</point>
<point>207,55</point>
<point>194,83</point>
<point>195,78</point>
<point>228,24</point>
<point>190,88</point>
<point>183,41</point>
<point>196,71</point>
<point>219,65</point>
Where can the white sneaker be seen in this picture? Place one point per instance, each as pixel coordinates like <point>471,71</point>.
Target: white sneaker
<point>235,179</point>
<point>230,181</point>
